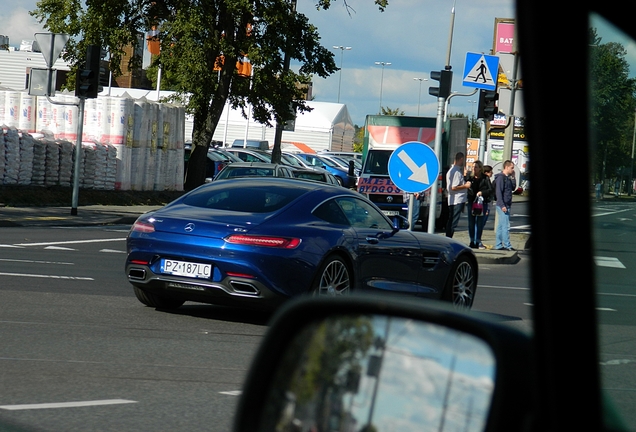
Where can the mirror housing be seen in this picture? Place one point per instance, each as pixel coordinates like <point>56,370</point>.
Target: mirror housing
<point>400,222</point>
<point>513,397</point>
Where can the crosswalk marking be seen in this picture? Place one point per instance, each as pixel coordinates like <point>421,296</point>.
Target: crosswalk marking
<point>608,262</point>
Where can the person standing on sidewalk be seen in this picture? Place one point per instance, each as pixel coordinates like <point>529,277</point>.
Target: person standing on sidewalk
<point>505,184</point>
<point>457,188</point>
<point>479,188</point>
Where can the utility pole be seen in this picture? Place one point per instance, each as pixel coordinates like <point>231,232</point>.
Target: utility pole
<point>445,78</point>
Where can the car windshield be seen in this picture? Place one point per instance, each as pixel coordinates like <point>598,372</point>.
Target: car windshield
<point>377,162</point>
<point>612,96</point>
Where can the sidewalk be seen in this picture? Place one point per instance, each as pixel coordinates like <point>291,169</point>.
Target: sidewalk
<point>126,215</point>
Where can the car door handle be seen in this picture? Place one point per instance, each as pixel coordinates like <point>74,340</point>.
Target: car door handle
<point>373,240</point>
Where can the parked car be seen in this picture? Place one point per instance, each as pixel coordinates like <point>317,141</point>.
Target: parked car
<point>255,169</point>
<point>216,161</point>
<point>249,154</point>
<point>349,155</point>
<point>316,174</point>
<point>258,242</point>
<point>341,173</point>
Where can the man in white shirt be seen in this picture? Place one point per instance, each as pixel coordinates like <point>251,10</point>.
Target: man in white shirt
<point>457,193</point>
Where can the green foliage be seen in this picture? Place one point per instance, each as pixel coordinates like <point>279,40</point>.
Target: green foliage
<point>392,112</point>
<point>193,35</point>
<point>358,139</point>
<point>612,103</point>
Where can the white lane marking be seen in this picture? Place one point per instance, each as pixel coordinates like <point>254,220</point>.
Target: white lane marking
<point>66,404</point>
<point>71,242</point>
<point>112,251</point>
<point>506,288</point>
<point>610,212</point>
<point>58,248</point>
<point>617,362</point>
<point>617,295</point>
<point>47,276</point>
<point>608,262</point>
<point>37,262</point>
<point>606,309</point>
<point>232,393</point>
<point>10,246</point>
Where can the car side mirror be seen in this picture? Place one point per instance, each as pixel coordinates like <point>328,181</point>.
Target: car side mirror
<point>368,363</point>
<point>400,222</point>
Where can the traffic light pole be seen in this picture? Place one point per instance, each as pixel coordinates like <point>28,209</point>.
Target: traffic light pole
<point>509,134</point>
<point>432,207</point>
<point>78,148</point>
<point>78,156</point>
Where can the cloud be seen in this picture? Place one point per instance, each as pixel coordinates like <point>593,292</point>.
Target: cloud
<point>18,25</point>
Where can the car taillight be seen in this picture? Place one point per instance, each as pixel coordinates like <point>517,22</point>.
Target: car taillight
<point>144,227</point>
<point>276,242</point>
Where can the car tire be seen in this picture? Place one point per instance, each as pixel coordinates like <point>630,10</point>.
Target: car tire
<point>155,301</point>
<point>333,278</point>
<point>462,284</point>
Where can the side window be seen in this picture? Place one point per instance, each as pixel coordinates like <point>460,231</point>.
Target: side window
<point>362,215</point>
<point>331,212</point>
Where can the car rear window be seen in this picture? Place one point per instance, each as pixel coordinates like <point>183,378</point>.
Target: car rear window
<point>246,172</point>
<point>309,176</point>
<point>243,199</point>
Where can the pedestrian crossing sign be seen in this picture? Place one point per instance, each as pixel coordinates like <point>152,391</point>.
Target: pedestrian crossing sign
<point>481,71</point>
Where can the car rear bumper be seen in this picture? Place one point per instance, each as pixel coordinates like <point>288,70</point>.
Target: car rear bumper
<point>232,290</point>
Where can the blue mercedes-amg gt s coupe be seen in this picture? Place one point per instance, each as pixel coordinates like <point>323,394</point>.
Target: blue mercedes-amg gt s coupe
<point>256,242</point>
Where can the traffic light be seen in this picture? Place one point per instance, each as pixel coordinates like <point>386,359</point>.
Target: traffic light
<point>445,78</point>
<point>87,82</point>
<point>487,104</point>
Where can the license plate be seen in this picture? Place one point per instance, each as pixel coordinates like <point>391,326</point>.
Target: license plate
<point>391,212</point>
<point>187,269</point>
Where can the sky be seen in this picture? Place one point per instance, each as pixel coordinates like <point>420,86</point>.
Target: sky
<point>412,35</point>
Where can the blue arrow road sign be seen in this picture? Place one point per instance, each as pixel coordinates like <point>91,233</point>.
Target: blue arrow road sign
<point>413,167</point>
<point>481,71</point>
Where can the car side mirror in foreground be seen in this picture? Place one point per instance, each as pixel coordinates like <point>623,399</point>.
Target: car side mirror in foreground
<point>366,363</point>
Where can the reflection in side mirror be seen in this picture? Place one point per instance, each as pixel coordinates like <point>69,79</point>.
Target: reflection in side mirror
<point>381,373</point>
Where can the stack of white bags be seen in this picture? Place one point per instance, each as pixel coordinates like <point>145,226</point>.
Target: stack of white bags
<point>127,144</point>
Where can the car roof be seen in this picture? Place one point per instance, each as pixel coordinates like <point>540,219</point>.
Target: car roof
<point>272,182</point>
<point>256,165</point>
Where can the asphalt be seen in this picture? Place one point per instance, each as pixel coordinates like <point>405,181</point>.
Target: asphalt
<point>96,215</point>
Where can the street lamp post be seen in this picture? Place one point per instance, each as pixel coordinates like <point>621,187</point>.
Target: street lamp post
<point>419,97</point>
<point>342,49</point>
<point>382,81</point>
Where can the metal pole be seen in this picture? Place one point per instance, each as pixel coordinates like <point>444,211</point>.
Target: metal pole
<point>78,155</point>
<point>482,140</point>
<point>432,206</point>
<point>419,99</point>
<point>382,82</point>
<point>450,37</point>
<point>631,166</point>
<point>341,48</point>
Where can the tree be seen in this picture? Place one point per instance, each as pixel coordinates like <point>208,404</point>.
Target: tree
<point>201,42</point>
<point>612,102</point>
<point>392,112</point>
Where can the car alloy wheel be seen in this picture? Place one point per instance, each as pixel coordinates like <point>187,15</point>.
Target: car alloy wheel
<point>334,279</point>
<point>462,284</point>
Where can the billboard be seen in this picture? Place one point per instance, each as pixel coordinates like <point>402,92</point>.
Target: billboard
<point>504,37</point>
